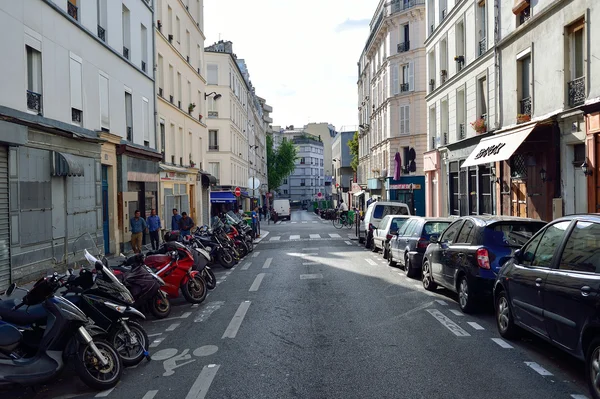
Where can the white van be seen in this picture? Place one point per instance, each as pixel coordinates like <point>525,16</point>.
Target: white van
<point>282,207</point>
<point>375,212</point>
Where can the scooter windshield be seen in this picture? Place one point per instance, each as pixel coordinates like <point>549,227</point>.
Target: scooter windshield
<point>109,281</point>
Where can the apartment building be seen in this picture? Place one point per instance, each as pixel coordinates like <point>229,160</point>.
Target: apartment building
<point>181,99</point>
<point>326,133</point>
<point>461,105</point>
<point>77,138</point>
<point>391,105</point>
<point>343,174</point>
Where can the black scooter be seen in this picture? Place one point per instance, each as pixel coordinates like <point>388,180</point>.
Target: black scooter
<point>34,354</point>
<point>108,303</point>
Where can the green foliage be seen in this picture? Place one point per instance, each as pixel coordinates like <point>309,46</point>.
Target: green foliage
<point>281,161</point>
<point>353,144</point>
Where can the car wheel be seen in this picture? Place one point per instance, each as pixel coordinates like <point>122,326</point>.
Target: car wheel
<point>385,251</point>
<point>391,260</point>
<point>504,319</point>
<point>428,282</point>
<point>465,298</point>
<point>592,366</point>
<point>410,272</point>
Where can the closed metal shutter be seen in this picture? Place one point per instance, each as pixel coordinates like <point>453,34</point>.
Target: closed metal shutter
<point>4,221</point>
<point>205,206</point>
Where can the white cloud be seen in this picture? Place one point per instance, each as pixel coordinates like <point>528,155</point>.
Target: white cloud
<point>301,55</point>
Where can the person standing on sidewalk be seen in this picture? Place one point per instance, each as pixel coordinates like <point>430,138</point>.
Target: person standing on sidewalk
<point>137,226</point>
<point>154,228</point>
<point>175,220</point>
<point>255,222</point>
<point>185,224</point>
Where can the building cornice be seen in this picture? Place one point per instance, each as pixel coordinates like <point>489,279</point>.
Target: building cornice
<point>97,39</point>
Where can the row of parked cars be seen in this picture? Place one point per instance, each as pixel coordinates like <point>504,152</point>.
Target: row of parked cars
<point>541,277</point>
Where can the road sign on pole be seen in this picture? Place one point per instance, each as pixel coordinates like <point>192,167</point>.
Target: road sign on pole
<point>238,191</point>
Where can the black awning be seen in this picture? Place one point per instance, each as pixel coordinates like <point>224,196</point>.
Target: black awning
<point>208,179</point>
<point>66,165</point>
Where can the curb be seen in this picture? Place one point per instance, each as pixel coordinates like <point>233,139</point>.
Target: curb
<point>264,234</point>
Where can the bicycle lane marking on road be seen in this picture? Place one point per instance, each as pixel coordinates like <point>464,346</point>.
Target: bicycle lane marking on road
<point>267,263</point>
<point>246,265</point>
<point>449,324</point>
<point>203,382</point>
<point>255,254</point>
<point>236,321</point>
<point>256,284</point>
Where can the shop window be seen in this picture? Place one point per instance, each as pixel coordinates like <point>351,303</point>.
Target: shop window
<point>453,188</point>
<point>518,167</point>
<point>485,191</point>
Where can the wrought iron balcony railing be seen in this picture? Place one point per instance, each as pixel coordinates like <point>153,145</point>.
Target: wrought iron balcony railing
<point>576,91</point>
<point>461,131</point>
<point>404,46</point>
<point>72,10</point>
<point>404,87</point>
<point>125,52</point>
<point>482,46</point>
<point>76,114</point>
<point>144,66</point>
<point>34,101</point>
<point>213,114</point>
<point>129,133</point>
<point>213,148</point>
<point>525,106</point>
<point>101,33</point>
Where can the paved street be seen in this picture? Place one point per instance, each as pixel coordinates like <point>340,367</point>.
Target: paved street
<point>322,317</point>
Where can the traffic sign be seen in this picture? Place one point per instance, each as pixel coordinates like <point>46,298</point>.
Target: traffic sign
<point>269,195</point>
<point>238,191</point>
<point>319,194</point>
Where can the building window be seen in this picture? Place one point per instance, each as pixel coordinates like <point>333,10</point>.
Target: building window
<point>404,111</point>
<point>302,161</point>
<point>518,166</point>
<point>129,116</point>
<point>454,191</point>
<point>104,104</point>
<point>213,109</point>
<point>524,89</point>
<point>576,66</point>
<point>460,56</point>
<point>146,119</point>
<point>213,140</point>
<point>126,31</point>
<point>302,182</point>
<point>485,190</point>
<point>76,90</point>
<point>522,10</point>
<point>160,76</point>
<point>214,169</point>
<point>212,74</point>
<point>162,139</point>
<point>144,33</point>
<point>72,9</point>
<point>101,17</point>
<point>482,98</point>
<point>285,192</point>
<point>285,181</point>
<point>179,90</point>
<point>460,115</point>
<point>178,30</point>
<point>443,61</point>
<point>443,10</point>
<point>171,84</point>
<point>404,86</point>
<point>34,80</point>
<point>482,27</point>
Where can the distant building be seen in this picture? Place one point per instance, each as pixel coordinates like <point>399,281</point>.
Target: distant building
<point>343,173</point>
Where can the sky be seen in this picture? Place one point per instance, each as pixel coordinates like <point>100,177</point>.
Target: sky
<point>301,54</point>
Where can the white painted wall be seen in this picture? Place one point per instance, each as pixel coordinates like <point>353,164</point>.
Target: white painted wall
<point>58,36</point>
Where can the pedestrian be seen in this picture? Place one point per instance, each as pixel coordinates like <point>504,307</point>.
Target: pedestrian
<point>175,219</point>
<point>255,222</point>
<point>185,224</point>
<point>137,226</point>
<point>154,227</point>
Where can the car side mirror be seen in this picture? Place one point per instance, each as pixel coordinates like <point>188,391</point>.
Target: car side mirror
<point>434,239</point>
<point>11,289</point>
<point>518,255</point>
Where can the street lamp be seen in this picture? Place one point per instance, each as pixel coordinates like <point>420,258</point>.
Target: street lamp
<point>586,170</point>
<point>216,95</point>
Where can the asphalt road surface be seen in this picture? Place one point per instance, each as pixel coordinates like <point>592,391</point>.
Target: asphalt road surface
<point>311,314</point>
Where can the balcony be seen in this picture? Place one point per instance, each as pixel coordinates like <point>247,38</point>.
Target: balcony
<point>34,102</point>
<point>433,144</point>
<point>101,33</point>
<point>445,139</point>
<point>179,104</point>
<point>404,87</point>
<point>76,114</point>
<point>461,131</point>
<point>144,66</point>
<point>404,46</point>
<point>160,91</point>
<point>482,46</point>
<point>72,10</point>
<point>213,147</point>
<point>171,99</point>
<point>443,76</point>
<point>125,52</point>
<point>431,85</point>
<point>171,39</point>
<point>525,106</point>
<point>129,133</point>
<point>443,15</point>
<point>213,114</point>
<point>402,5</point>
<point>576,91</point>
<point>432,28</point>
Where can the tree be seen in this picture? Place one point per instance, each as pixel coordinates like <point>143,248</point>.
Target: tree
<point>281,161</point>
<point>353,144</point>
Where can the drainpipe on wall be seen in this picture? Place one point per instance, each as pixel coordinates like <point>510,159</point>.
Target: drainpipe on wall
<point>497,64</point>
<point>154,81</point>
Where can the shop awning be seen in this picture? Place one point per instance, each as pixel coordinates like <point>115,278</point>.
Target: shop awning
<point>169,168</point>
<point>208,179</point>
<point>498,147</point>
<point>358,194</point>
<point>222,197</point>
<point>66,165</point>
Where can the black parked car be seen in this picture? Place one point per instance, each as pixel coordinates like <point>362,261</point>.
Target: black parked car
<point>408,246</point>
<point>551,287</point>
<point>468,255</point>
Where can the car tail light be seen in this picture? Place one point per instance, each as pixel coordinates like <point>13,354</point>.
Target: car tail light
<point>389,236</point>
<point>483,258</point>
<point>422,243</point>
<point>371,227</point>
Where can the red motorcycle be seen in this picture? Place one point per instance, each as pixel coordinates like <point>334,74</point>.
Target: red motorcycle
<point>175,268</point>
<point>239,243</point>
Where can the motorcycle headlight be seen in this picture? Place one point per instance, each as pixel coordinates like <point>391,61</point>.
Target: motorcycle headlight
<point>114,306</point>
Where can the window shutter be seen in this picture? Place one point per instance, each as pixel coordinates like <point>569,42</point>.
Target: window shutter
<point>104,110</point>
<point>146,118</point>
<point>407,119</point>
<point>401,109</point>
<point>76,96</point>
<point>213,74</point>
<point>411,76</point>
<point>395,80</point>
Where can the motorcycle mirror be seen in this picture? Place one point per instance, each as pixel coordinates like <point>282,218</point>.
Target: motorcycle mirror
<point>121,255</point>
<point>11,289</point>
<point>70,272</point>
<point>98,265</point>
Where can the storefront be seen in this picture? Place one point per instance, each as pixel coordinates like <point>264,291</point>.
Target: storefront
<point>205,181</point>
<point>409,190</point>
<point>591,167</point>
<point>431,167</point>
<point>177,189</point>
<point>523,161</point>
<point>225,201</point>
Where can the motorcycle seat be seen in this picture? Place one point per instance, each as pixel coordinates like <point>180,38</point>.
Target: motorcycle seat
<point>22,316</point>
<point>157,261</point>
<point>122,269</point>
<point>9,336</point>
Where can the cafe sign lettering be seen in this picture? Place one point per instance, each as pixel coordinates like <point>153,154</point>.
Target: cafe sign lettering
<point>491,150</point>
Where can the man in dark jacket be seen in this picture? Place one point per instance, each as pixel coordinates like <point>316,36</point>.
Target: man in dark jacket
<point>185,224</point>
<point>175,220</point>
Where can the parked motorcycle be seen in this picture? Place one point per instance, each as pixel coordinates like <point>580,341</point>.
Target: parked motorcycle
<point>57,332</point>
<point>105,300</point>
<point>220,253</point>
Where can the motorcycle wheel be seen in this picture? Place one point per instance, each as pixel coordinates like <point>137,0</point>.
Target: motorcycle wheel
<point>159,305</point>
<point>243,249</point>
<point>210,278</point>
<point>130,354</point>
<point>90,369</point>
<point>250,245</point>
<point>194,291</point>
<point>226,259</point>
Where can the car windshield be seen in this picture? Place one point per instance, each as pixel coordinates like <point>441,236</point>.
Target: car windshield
<point>383,210</point>
<point>397,223</point>
<point>435,228</point>
<point>513,234</point>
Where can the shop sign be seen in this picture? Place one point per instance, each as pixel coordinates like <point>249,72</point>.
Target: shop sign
<point>405,186</point>
<point>173,176</point>
<point>491,150</point>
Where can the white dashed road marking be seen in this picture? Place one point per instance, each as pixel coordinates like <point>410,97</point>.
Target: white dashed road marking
<point>255,254</point>
<point>310,276</point>
<point>449,324</point>
<point>440,301</point>
<point>294,237</point>
<point>246,265</point>
<point>150,395</point>
<point>348,242</point>
<point>309,263</point>
<point>502,343</point>
<point>256,284</point>
<point>203,382</point>
<point>456,312</point>
<point>315,221</point>
<point>186,315</point>
<point>370,262</point>
<point>156,342</point>
<point>294,222</point>
<point>335,235</point>
<point>310,249</point>
<point>315,236</point>
<point>304,222</point>
<point>236,322</point>
<point>276,238</point>
<point>104,394</point>
<point>475,325</point>
<point>267,263</point>
<point>578,396</point>
<point>537,368</point>
<point>172,327</point>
